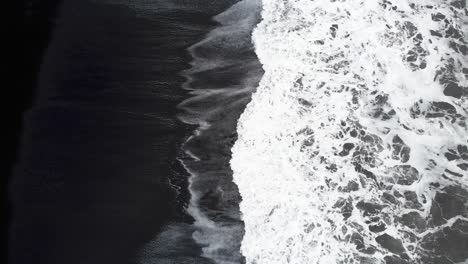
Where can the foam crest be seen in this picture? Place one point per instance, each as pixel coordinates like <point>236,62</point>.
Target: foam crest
<point>354,147</point>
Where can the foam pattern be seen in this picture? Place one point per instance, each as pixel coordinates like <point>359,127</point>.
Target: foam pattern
<point>354,146</point>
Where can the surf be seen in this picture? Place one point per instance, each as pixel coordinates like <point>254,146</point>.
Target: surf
<point>354,146</point>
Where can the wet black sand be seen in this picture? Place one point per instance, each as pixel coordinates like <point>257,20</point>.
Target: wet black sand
<point>99,146</point>
<point>29,25</point>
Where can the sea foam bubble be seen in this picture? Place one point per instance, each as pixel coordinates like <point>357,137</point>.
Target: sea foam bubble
<point>354,146</point>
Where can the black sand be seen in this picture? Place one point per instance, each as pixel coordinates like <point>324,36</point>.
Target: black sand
<point>99,145</point>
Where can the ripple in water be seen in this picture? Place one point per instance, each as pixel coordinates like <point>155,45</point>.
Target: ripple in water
<point>223,75</point>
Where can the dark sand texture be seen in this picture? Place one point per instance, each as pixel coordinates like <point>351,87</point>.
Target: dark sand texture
<point>92,181</point>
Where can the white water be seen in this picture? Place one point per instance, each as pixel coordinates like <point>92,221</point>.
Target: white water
<point>332,67</point>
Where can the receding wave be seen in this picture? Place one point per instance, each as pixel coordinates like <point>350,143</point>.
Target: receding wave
<point>354,147</point>
<point>223,74</point>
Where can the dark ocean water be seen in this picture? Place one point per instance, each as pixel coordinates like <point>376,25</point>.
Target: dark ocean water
<point>99,177</point>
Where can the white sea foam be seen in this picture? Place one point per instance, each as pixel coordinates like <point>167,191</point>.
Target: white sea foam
<point>357,127</point>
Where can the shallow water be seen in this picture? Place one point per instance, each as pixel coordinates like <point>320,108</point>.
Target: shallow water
<point>223,74</point>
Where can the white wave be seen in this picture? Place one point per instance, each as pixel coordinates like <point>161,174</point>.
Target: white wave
<point>351,130</point>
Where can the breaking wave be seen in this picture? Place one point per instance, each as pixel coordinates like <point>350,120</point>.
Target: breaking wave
<point>354,146</point>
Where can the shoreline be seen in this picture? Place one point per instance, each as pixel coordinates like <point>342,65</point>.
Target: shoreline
<point>224,72</point>
<point>101,140</point>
